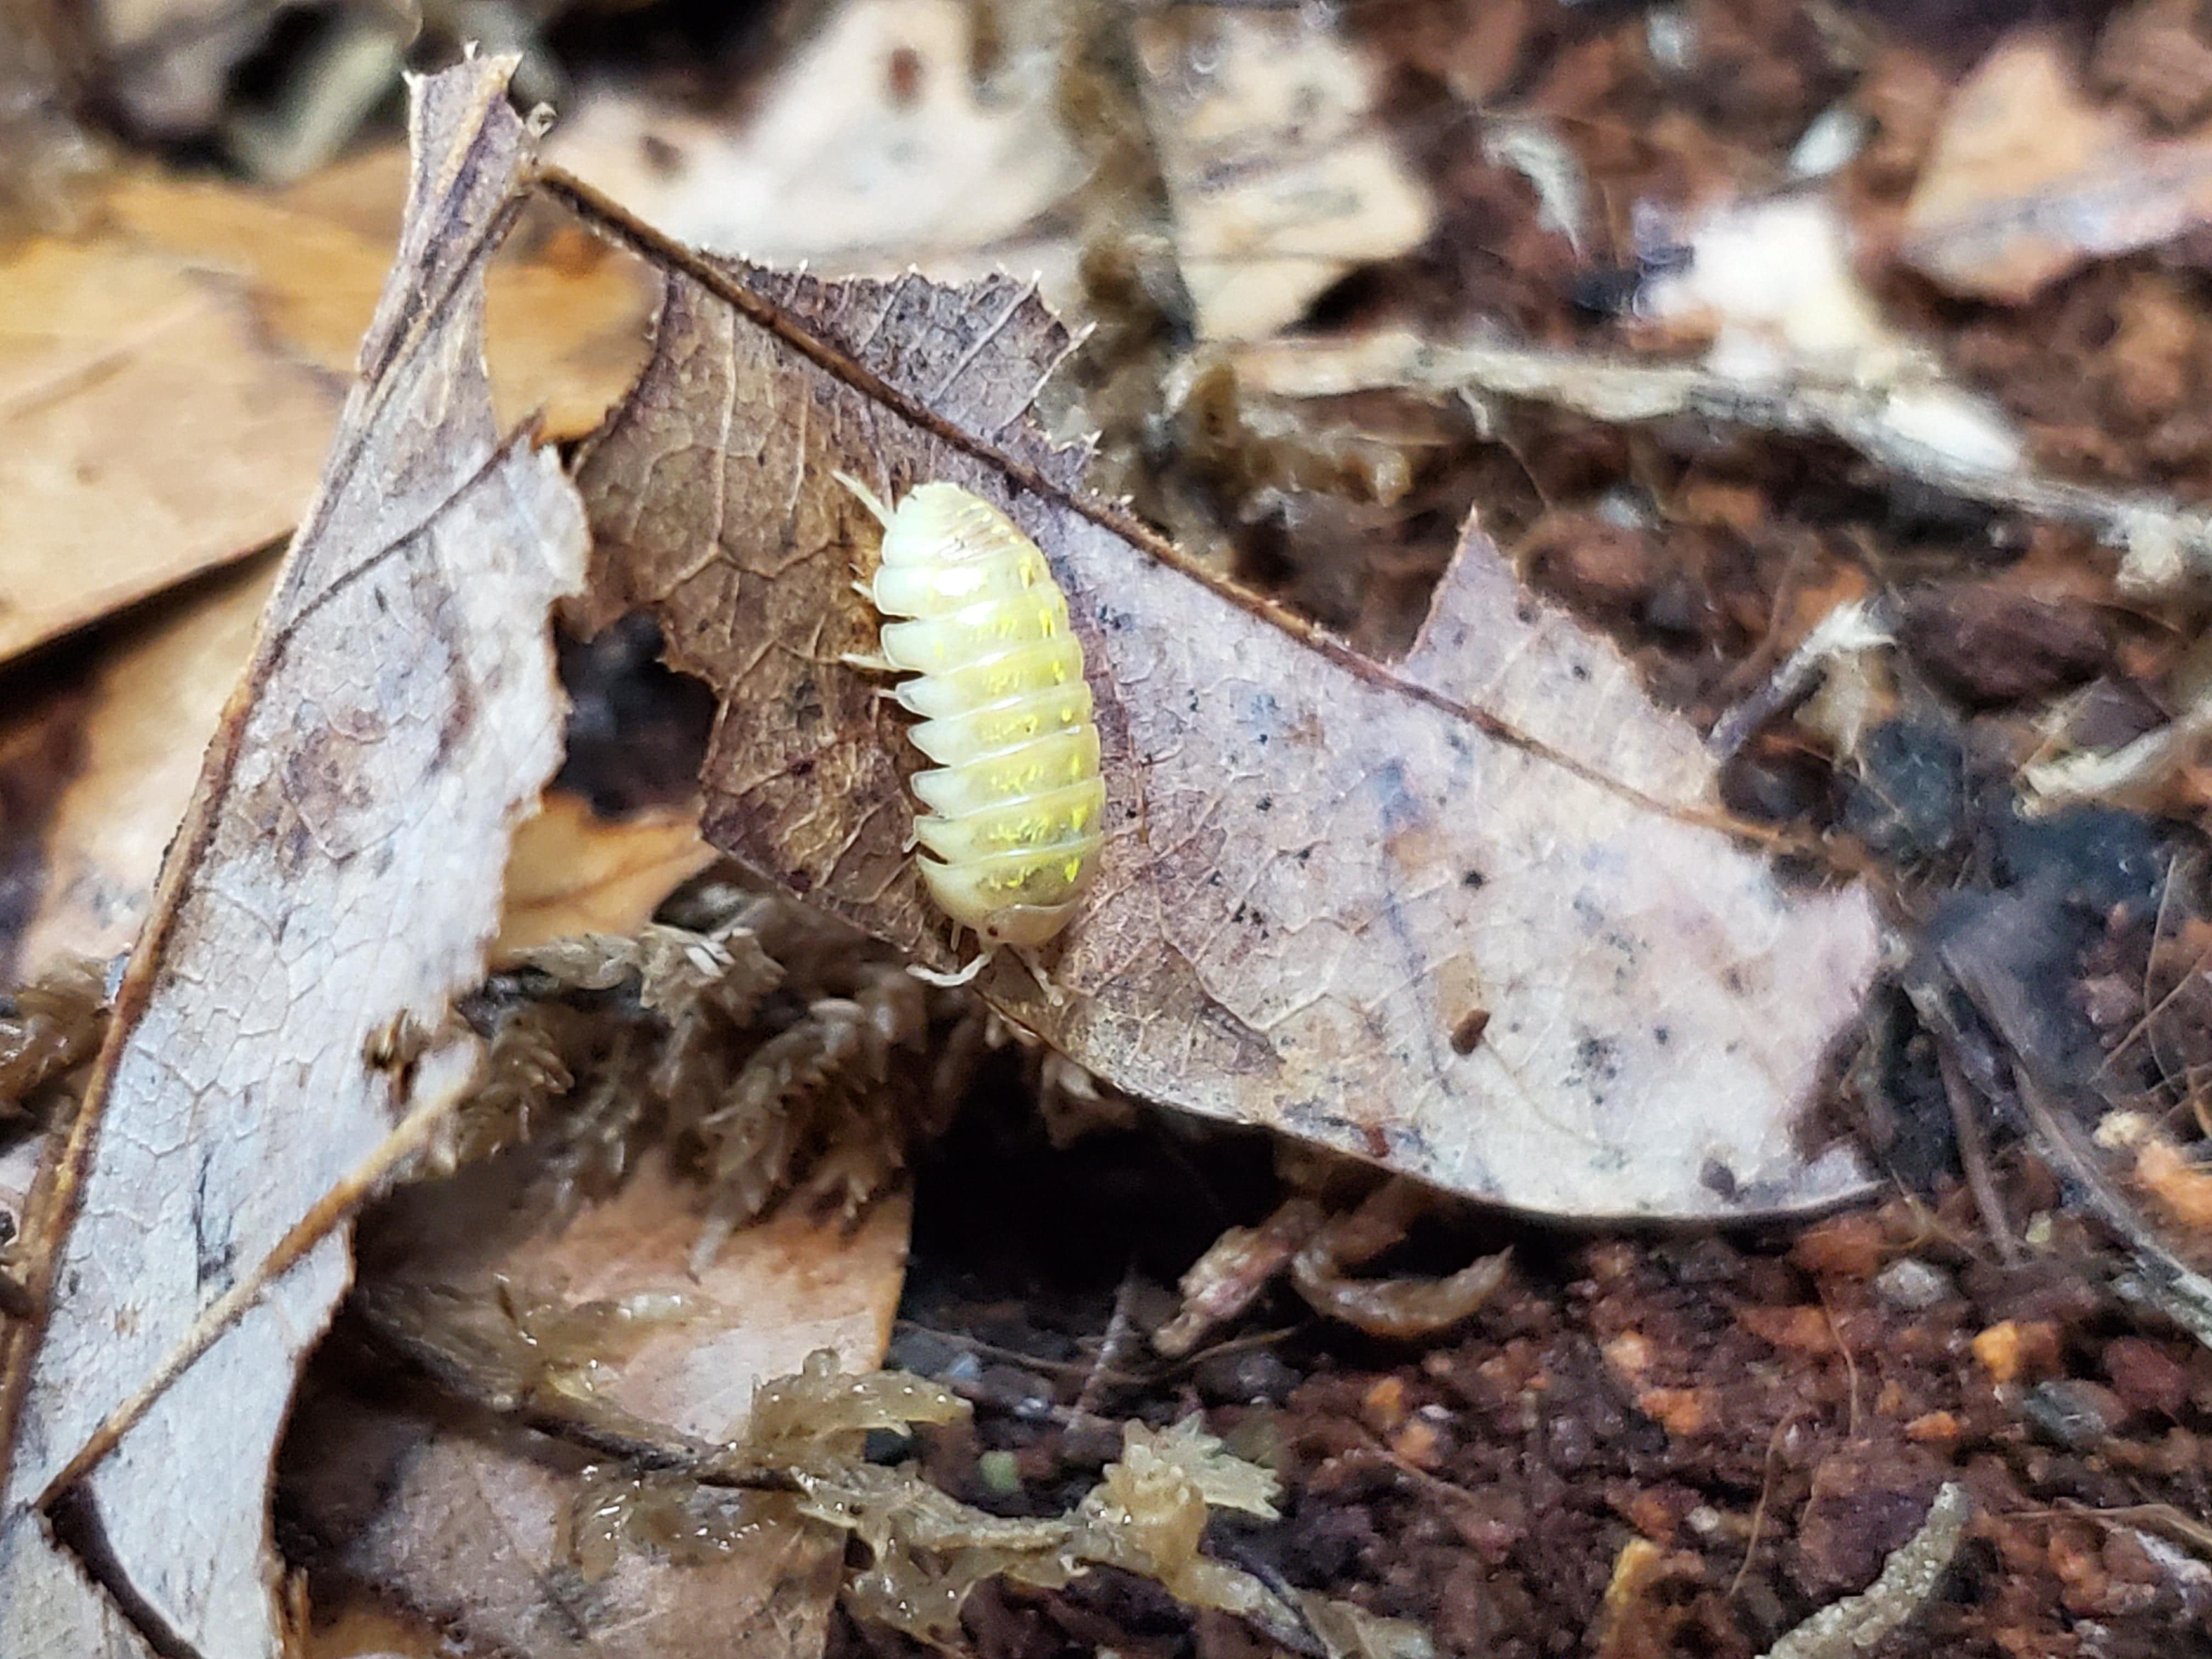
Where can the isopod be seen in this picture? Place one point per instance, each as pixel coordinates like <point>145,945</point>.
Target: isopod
<point>1016,801</point>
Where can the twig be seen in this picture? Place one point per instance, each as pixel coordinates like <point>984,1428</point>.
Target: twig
<point>1908,1579</point>
<point>2165,1520</point>
<point>1121,1330</point>
<point>1759,1510</point>
<point>1974,1149</point>
<point>1850,1363</point>
<point>2163,1279</point>
<point>1917,423</point>
<point>1855,627</point>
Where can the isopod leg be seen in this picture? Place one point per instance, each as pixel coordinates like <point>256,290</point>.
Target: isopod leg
<point>869,499</point>
<point>965,974</point>
<point>1040,973</point>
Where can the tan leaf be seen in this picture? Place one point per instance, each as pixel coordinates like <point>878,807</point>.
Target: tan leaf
<point>573,872</point>
<point>333,886</point>
<point>2029,179</point>
<point>566,316</point>
<point>872,148</point>
<point>98,776</point>
<point>367,1631</point>
<point>134,732</point>
<point>466,1522</point>
<point>1463,917</point>
<point>146,431</point>
<point>168,385</point>
<point>1280,179</point>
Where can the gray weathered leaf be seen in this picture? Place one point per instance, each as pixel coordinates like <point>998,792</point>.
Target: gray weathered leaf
<point>333,886</point>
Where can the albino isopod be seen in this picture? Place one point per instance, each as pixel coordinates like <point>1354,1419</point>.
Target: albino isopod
<point>1016,801</point>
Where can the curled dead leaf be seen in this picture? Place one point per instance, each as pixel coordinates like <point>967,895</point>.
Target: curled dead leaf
<point>572,872</point>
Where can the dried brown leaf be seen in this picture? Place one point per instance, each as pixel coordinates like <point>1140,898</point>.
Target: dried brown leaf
<point>168,381</point>
<point>148,430</point>
<point>170,60</point>
<point>1280,179</point>
<point>564,317</point>
<point>45,153</point>
<point>131,734</point>
<point>333,886</point>
<point>506,1539</point>
<point>1320,871</point>
<point>883,141</point>
<point>573,872</point>
<point>2029,179</point>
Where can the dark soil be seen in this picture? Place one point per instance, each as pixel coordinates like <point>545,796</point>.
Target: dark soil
<point>1770,1415</point>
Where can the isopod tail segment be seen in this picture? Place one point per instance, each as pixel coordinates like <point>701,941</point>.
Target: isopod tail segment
<point>1016,802</point>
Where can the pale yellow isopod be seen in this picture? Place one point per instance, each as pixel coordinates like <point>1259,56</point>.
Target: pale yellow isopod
<point>1016,804</point>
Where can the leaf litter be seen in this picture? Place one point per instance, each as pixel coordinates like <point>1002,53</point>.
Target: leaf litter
<point>560,1282</point>
<point>138,705</point>
<point>611,1328</point>
<point>1318,868</point>
<point>171,369</point>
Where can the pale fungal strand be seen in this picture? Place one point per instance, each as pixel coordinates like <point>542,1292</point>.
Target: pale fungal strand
<point>1016,801</point>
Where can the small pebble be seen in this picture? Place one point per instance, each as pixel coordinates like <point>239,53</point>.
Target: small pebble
<point>1000,1472</point>
<point>1089,1443</point>
<point>1022,1393</point>
<point>1835,135</point>
<point>2145,1377</point>
<point>1671,38</point>
<point>925,1353</point>
<point>1248,1376</point>
<point>2074,1414</point>
<point>1911,1284</point>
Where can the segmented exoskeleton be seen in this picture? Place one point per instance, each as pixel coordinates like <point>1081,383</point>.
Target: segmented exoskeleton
<point>1016,801</point>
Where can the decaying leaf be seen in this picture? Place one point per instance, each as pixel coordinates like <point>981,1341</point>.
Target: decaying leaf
<point>2029,179</point>
<point>1278,179</point>
<point>333,886</point>
<point>572,872</point>
<point>1318,1251</point>
<point>883,143</point>
<point>173,56</point>
<point>1464,916</point>
<point>137,728</point>
<point>519,1542</point>
<point>1780,364</point>
<point>565,318</point>
<point>48,152</point>
<point>146,430</point>
<point>169,379</point>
